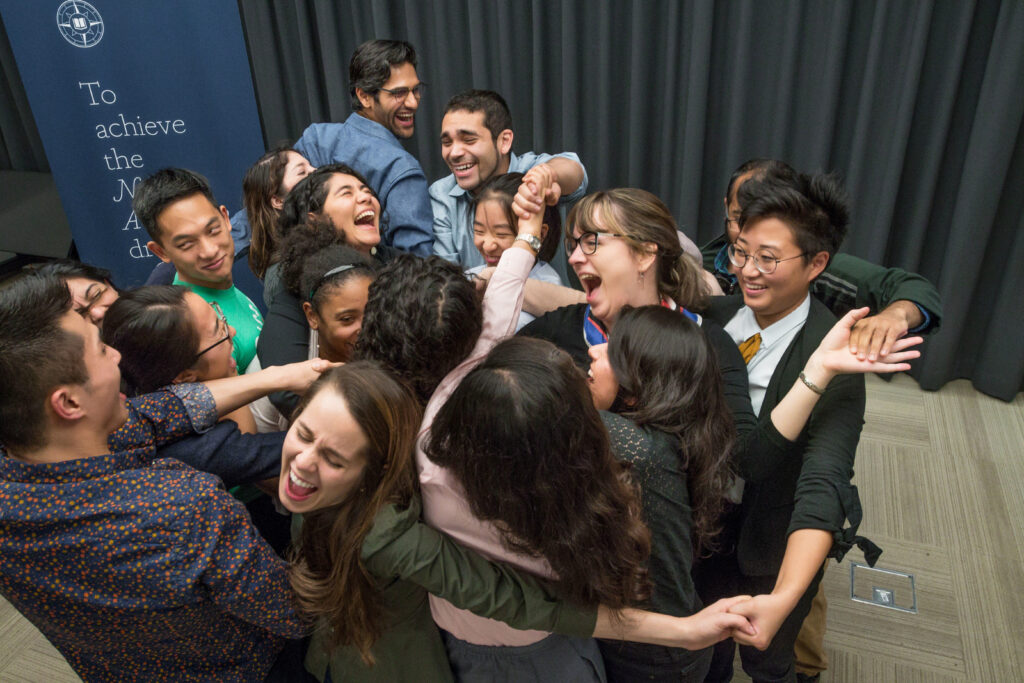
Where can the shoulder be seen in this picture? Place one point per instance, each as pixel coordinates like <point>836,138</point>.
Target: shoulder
<point>441,189</point>
<point>557,323</point>
<point>721,309</point>
<point>546,273</point>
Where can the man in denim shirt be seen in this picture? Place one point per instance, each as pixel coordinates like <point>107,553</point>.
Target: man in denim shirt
<point>385,96</point>
<point>133,566</point>
<point>476,143</point>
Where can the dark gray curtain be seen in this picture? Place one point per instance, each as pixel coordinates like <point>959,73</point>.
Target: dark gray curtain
<point>919,105</point>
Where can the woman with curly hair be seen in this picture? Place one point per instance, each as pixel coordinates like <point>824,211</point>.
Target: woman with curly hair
<point>326,285</point>
<point>363,562</point>
<point>332,198</point>
<point>426,325</point>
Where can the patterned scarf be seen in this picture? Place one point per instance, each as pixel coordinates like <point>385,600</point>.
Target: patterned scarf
<point>594,333</point>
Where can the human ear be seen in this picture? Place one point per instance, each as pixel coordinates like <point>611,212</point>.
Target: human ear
<point>186,376</point>
<point>504,141</point>
<point>819,263</point>
<point>646,255</point>
<point>543,231</point>
<point>158,250</point>
<point>365,98</point>
<point>311,317</point>
<point>277,203</point>
<point>65,404</point>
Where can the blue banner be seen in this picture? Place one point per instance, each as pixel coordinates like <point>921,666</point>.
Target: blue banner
<point>122,88</point>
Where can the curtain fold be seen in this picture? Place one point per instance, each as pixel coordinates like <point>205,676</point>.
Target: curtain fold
<point>917,104</point>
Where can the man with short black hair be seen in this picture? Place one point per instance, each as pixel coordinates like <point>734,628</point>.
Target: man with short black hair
<point>135,567</point>
<point>794,512</point>
<point>476,143</point>
<point>386,92</point>
<point>187,228</point>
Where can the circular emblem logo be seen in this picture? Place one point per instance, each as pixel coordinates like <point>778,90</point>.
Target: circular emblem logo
<point>79,23</point>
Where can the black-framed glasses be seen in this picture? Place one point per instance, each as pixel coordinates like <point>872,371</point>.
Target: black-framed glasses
<point>764,263</point>
<point>728,219</point>
<point>587,242</point>
<point>222,324</point>
<point>401,93</point>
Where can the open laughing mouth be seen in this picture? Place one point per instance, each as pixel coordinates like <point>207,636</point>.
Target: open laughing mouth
<point>297,488</point>
<point>406,119</point>
<point>463,170</point>
<point>365,219</point>
<point>591,283</point>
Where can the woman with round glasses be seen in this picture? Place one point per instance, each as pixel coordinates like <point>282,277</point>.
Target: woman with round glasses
<point>623,245</point>
<point>168,334</point>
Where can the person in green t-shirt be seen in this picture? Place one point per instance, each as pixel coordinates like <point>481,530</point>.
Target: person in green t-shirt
<point>188,228</point>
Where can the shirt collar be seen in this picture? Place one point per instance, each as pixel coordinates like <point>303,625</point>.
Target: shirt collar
<point>79,469</point>
<point>458,191</point>
<point>778,329</point>
<point>370,127</point>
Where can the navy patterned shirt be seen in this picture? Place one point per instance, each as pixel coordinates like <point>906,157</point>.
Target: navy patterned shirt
<point>139,568</point>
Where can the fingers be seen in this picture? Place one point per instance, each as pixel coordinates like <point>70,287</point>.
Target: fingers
<point>738,624</point>
<point>906,343</point>
<point>726,604</point>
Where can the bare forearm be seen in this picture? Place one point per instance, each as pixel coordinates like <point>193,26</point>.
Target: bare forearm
<point>543,297</point>
<point>568,173</point>
<point>806,550</point>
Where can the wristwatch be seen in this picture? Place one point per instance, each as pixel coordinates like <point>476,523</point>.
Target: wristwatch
<point>532,241</point>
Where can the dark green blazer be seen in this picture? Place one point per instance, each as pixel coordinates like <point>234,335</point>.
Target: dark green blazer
<point>804,484</point>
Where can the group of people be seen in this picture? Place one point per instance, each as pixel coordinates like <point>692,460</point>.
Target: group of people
<point>443,462</point>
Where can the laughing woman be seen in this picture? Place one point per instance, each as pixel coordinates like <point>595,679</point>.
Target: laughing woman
<point>623,246</point>
<point>364,563</point>
<point>333,203</point>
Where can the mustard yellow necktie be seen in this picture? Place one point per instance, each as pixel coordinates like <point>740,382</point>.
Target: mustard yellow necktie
<point>750,347</point>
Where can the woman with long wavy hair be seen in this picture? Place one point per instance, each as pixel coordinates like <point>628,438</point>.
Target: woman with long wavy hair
<point>363,562</point>
<point>264,188</point>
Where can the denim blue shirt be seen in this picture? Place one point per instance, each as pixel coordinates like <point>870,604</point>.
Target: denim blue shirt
<point>392,172</point>
<point>453,206</point>
<point>142,568</point>
<point>241,231</point>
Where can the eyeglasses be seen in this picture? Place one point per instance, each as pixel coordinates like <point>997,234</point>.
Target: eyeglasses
<point>587,242</point>
<point>729,220</point>
<point>223,324</point>
<point>764,263</point>
<point>401,93</point>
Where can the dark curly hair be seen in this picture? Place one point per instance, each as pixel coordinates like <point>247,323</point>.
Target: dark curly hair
<point>308,196</point>
<point>669,380</point>
<point>422,319</point>
<point>523,437</point>
<point>308,254</point>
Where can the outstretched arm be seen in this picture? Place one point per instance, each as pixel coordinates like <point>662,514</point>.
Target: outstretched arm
<point>806,550</point>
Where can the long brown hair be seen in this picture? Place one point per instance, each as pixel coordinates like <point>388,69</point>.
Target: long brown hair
<point>642,219</point>
<point>262,182</point>
<point>668,374</point>
<point>523,437</point>
<point>327,574</point>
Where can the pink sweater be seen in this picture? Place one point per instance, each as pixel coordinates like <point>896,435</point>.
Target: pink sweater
<point>444,501</point>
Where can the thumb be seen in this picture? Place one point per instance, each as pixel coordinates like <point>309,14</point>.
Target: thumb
<point>853,316</point>
<point>726,604</point>
<point>738,623</point>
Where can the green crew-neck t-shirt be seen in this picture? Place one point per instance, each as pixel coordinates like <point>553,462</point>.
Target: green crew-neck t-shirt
<point>242,315</point>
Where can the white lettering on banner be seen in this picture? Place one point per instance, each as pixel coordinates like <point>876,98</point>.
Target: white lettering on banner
<point>115,161</point>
